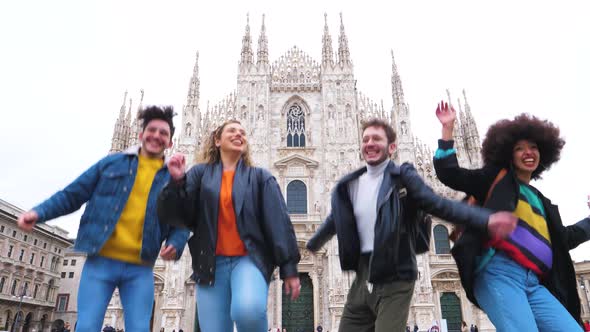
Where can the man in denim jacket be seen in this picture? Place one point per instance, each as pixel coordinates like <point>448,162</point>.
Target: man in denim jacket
<point>119,230</point>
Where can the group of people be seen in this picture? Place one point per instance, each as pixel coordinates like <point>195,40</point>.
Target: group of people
<point>511,244</point>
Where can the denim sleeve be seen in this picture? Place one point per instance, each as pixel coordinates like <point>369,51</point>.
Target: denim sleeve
<point>72,197</point>
<point>177,238</point>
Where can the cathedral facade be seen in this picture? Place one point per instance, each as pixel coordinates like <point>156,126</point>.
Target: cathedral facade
<point>303,118</point>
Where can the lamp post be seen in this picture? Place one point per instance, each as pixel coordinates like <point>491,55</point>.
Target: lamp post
<point>20,303</point>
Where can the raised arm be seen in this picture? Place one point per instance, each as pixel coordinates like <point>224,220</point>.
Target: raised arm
<point>178,201</point>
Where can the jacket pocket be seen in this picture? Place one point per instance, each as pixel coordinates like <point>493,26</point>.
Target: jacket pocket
<point>111,182</point>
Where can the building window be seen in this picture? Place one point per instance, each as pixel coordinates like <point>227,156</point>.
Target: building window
<point>2,282</point>
<point>441,240</point>
<point>25,237</point>
<point>32,260</point>
<point>65,262</point>
<point>42,261</point>
<point>13,233</point>
<point>297,197</point>
<point>73,262</point>
<point>36,291</point>
<point>35,242</point>
<point>295,126</point>
<point>63,275</point>
<point>45,245</point>
<point>22,253</point>
<point>62,302</point>
<point>25,288</point>
<point>49,289</point>
<point>71,275</point>
<point>13,288</point>
<point>2,229</point>
<point>10,251</point>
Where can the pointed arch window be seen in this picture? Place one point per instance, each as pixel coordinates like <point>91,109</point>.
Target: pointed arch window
<point>295,126</point>
<point>297,197</point>
<point>441,240</point>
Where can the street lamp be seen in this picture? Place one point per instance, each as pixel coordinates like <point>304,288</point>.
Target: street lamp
<point>20,303</point>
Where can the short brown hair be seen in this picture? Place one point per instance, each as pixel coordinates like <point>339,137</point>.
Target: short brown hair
<point>380,123</point>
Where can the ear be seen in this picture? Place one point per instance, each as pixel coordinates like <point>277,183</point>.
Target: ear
<point>391,148</point>
<point>170,144</point>
<point>217,142</point>
<point>141,135</point>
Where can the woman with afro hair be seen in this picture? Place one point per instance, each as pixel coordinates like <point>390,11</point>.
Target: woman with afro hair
<point>527,281</point>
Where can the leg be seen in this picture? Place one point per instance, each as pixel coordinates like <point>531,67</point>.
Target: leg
<point>249,295</point>
<point>550,314</point>
<point>357,316</point>
<point>97,283</point>
<point>393,305</point>
<point>214,301</point>
<point>137,296</point>
<point>503,280</point>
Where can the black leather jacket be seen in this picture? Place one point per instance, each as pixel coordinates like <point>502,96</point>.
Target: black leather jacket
<point>394,256</point>
<point>261,216</point>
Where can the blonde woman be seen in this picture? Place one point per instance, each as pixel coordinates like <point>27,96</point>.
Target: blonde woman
<point>241,227</point>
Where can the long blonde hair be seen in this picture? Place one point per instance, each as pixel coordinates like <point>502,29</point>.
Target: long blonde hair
<point>210,153</point>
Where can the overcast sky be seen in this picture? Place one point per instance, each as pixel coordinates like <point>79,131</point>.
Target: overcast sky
<point>64,67</point>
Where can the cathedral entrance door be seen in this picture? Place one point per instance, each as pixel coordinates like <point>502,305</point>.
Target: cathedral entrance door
<point>298,315</point>
<point>450,307</point>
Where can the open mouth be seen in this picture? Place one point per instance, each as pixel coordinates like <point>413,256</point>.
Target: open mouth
<point>530,162</point>
<point>237,142</point>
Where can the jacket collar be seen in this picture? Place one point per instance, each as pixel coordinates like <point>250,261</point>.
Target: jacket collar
<point>392,169</point>
<point>241,181</point>
<point>134,151</point>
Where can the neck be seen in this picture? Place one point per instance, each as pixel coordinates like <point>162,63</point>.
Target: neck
<point>230,160</point>
<point>146,154</point>
<point>524,177</point>
<point>378,168</point>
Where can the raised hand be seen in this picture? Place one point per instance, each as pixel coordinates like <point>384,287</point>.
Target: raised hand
<point>292,287</point>
<point>502,224</point>
<point>446,114</point>
<point>27,220</point>
<point>176,166</point>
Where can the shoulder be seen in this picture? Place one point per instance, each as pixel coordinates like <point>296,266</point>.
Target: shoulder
<point>262,174</point>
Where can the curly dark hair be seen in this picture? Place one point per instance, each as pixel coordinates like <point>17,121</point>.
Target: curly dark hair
<point>503,135</point>
<point>149,113</point>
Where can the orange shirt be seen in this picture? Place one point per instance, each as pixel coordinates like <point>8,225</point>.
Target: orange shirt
<point>228,238</point>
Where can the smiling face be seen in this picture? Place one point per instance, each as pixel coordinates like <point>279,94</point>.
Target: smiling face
<point>155,138</point>
<point>232,139</point>
<point>375,147</point>
<point>525,158</point>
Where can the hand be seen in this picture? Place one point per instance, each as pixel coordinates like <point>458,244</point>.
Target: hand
<point>445,114</point>
<point>501,224</point>
<point>27,220</point>
<point>293,287</point>
<point>176,166</point>
<point>168,253</point>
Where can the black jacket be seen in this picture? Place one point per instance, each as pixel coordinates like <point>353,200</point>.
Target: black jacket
<point>261,217</point>
<point>561,281</point>
<point>394,256</point>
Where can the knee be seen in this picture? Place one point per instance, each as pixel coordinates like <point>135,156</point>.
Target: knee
<point>245,310</point>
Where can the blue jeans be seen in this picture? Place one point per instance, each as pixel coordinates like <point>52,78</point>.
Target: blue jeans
<point>100,277</point>
<point>239,295</point>
<point>514,300</point>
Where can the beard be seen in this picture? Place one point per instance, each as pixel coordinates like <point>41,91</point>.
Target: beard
<point>384,156</point>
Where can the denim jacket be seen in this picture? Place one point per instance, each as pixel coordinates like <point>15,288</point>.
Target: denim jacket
<point>105,187</point>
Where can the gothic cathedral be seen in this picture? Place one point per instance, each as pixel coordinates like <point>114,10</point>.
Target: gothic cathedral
<point>303,119</point>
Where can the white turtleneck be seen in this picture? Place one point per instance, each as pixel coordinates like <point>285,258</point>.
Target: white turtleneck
<point>364,192</point>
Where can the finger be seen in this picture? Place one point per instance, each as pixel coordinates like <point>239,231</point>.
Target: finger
<point>295,293</point>
<point>287,288</point>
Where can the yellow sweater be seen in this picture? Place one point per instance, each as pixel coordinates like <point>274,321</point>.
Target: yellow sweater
<point>125,242</point>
